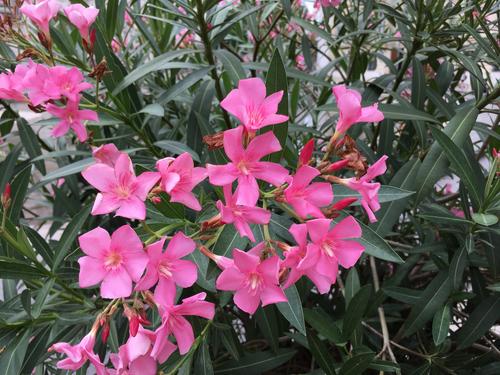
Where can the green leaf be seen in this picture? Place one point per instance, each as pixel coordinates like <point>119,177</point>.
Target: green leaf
<point>232,65</point>
<point>7,166</point>
<point>405,112</point>
<point>404,295</point>
<point>19,189</point>
<point>434,165</point>
<point>268,325</point>
<point>67,170</point>
<point>480,320</point>
<point>386,193</point>
<point>376,245</point>
<point>41,297</point>
<point>457,266</point>
<point>389,213</point>
<point>69,235</point>
<point>485,219</point>
<point>292,310</point>
<point>203,362</point>
<point>17,270</point>
<point>228,240</point>
<point>180,86</point>
<point>30,143</point>
<point>432,298</point>
<point>384,366</point>
<point>324,325</point>
<point>352,285</point>
<point>468,171</point>
<point>153,110</point>
<point>355,311</point>
<point>441,324</point>
<point>276,80</point>
<point>199,116</point>
<point>11,360</point>
<point>320,353</point>
<point>177,148</point>
<point>161,62</point>
<point>357,364</point>
<point>255,363</point>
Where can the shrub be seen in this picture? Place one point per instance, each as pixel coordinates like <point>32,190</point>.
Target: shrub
<point>239,187</point>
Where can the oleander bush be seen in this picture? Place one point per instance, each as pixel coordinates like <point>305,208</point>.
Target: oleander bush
<point>249,187</point>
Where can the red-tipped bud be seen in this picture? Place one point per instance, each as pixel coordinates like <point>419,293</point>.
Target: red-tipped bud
<point>343,203</point>
<point>495,153</point>
<point>155,199</point>
<point>105,333</point>
<point>338,165</point>
<point>306,153</point>
<point>133,326</point>
<point>6,196</point>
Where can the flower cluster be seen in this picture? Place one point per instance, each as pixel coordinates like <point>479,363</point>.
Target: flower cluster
<point>155,273</point>
<point>40,86</point>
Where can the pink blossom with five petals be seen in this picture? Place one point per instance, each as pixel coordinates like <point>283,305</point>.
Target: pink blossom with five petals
<point>302,259</point>
<point>174,322</point>
<point>305,197</point>
<point>71,117</point>
<point>254,280</point>
<point>241,216</point>
<point>334,246</point>
<point>179,177</point>
<point>41,13</point>
<point>82,17</point>
<point>106,154</point>
<point>120,189</point>
<point>79,354</point>
<point>246,166</point>
<point>135,356</point>
<point>249,104</point>
<point>168,269</point>
<point>368,190</point>
<point>350,110</point>
<point>114,260</point>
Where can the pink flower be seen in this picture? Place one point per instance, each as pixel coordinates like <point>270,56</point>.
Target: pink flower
<point>37,80</point>
<point>179,177</point>
<point>79,354</point>
<point>350,110</point>
<point>136,356</point>
<point>302,259</point>
<point>241,216</point>
<point>106,154</point>
<point>168,269</point>
<point>330,3</point>
<point>69,82</point>
<point>71,117</point>
<point>11,84</point>
<point>173,321</point>
<point>41,13</point>
<point>254,281</point>
<point>300,62</point>
<point>306,153</point>
<point>457,212</point>
<point>246,166</point>
<point>82,18</point>
<point>116,261</point>
<point>368,190</point>
<point>334,246</point>
<point>249,104</point>
<point>119,188</point>
<point>307,198</point>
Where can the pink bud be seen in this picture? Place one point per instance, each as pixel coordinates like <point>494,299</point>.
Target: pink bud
<point>105,333</point>
<point>338,165</point>
<point>6,196</point>
<point>343,203</point>
<point>306,153</point>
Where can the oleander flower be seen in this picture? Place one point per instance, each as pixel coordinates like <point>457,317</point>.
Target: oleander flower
<point>120,189</point>
<point>71,117</point>
<point>114,261</point>
<point>350,110</point>
<point>167,269</point>
<point>179,177</point>
<point>249,104</point>
<point>41,13</point>
<point>82,17</point>
<point>246,167</point>
<point>253,280</point>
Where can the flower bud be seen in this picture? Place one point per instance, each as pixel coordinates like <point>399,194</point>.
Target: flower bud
<point>6,197</point>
